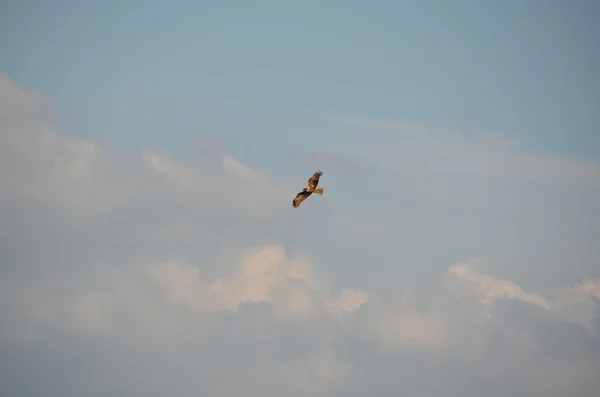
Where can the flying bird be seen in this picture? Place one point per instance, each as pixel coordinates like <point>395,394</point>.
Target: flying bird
<point>310,188</point>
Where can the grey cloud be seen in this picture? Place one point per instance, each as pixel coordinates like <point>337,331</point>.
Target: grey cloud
<point>434,196</point>
<point>146,276</point>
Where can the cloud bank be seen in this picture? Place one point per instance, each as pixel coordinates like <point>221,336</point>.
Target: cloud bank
<point>143,275</point>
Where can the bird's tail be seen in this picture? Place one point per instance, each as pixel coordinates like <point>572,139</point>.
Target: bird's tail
<point>319,191</point>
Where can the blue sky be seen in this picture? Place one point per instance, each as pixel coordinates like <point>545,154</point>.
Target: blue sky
<point>525,69</point>
<point>151,150</point>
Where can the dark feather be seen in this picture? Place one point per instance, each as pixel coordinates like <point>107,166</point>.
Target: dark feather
<point>314,180</point>
<point>300,197</point>
<point>307,191</point>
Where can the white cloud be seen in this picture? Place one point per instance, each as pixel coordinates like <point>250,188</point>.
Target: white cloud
<point>491,288</point>
<point>579,303</point>
<point>263,275</point>
<point>150,276</point>
<point>576,303</point>
<point>169,169</point>
<point>443,195</point>
<point>431,151</point>
<point>404,327</point>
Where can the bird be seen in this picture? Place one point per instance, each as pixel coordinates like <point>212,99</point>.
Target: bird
<point>310,188</point>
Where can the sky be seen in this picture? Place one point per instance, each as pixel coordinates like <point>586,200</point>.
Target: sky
<point>150,152</point>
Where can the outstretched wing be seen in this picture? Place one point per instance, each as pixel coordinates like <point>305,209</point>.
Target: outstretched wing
<point>300,197</point>
<point>314,180</point>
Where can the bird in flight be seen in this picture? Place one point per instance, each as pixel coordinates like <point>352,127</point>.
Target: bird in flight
<point>310,188</point>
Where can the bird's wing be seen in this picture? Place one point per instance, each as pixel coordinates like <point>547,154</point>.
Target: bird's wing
<point>300,197</point>
<point>314,180</point>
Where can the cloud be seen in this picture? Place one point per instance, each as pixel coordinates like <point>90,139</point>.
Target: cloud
<point>575,303</point>
<point>38,163</point>
<point>491,288</point>
<point>183,177</point>
<point>264,275</point>
<point>440,150</point>
<point>444,195</point>
<point>147,275</point>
